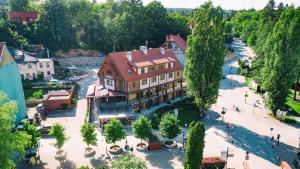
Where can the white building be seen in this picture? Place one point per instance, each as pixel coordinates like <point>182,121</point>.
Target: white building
<point>31,67</point>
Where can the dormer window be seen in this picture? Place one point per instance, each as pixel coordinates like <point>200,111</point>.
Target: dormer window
<point>151,69</point>
<point>129,71</point>
<point>142,70</point>
<point>108,72</point>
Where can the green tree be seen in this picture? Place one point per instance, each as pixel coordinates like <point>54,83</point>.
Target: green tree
<point>194,146</point>
<point>12,143</point>
<point>281,51</point>
<point>19,5</point>
<point>128,161</point>
<point>205,56</point>
<point>169,126</point>
<point>32,131</point>
<point>89,134</point>
<point>114,131</point>
<point>141,128</point>
<point>156,23</point>
<point>58,132</point>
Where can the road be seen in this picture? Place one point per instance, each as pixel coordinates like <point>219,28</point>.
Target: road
<point>251,125</point>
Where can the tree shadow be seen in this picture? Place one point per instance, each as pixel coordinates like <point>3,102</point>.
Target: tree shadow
<point>99,161</point>
<point>259,145</point>
<point>24,165</point>
<point>230,83</point>
<point>165,156</point>
<point>56,114</point>
<point>66,164</point>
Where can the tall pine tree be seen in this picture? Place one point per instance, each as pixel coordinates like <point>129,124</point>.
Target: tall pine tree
<point>205,55</point>
<point>281,51</point>
<point>194,146</point>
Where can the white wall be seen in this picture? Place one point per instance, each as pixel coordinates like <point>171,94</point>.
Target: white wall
<point>154,83</point>
<point>111,87</point>
<point>162,81</point>
<point>170,79</point>
<point>144,86</point>
<point>36,69</point>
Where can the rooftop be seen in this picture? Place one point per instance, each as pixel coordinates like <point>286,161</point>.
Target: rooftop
<point>57,95</point>
<point>140,59</point>
<point>181,43</point>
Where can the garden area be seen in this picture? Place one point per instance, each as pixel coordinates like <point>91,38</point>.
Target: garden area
<point>187,112</point>
<point>294,104</point>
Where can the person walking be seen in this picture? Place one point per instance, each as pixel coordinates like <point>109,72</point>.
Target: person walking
<point>278,137</point>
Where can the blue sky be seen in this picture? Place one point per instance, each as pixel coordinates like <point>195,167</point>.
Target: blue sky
<point>225,4</point>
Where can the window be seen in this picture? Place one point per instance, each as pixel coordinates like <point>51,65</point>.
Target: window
<point>133,84</point>
<point>170,75</point>
<point>162,77</point>
<point>41,65</point>
<point>108,72</point>
<point>109,82</point>
<point>161,66</point>
<point>169,64</point>
<point>151,69</point>
<point>129,71</point>
<point>142,70</point>
<point>48,73</point>
<point>27,75</point>
<point>47,64</point>
<point>144,81</point>
<point>178,73</point>
<point>153,79</point>
<point>29,66</point>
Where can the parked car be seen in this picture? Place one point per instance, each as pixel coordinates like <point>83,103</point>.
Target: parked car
<point>74,78</point>
<point>72,67</point>
<point>55,81</point>
<point>32,153</point>
<point>44,130</point>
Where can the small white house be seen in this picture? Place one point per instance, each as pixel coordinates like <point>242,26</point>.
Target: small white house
<point>31,67</point>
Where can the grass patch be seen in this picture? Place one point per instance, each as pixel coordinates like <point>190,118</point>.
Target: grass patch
<point>187,112</point>
<point>290,102</point>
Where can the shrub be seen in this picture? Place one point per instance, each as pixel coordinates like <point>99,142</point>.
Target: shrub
<point>155,120</point>
<point>289,119</point>
<point>128,161</point>
<point>89,134</point>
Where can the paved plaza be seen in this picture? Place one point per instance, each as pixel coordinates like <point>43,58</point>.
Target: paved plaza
<point>251,131</point>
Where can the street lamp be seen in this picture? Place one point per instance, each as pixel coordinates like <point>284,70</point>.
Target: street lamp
<point>184,135</point>
<point>223,112</point>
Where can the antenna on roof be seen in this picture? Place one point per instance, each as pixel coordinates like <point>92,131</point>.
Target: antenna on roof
<point>147,43</point>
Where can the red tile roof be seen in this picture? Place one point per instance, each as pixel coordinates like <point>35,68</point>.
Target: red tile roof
<point>122,65</point>
<point>181,43</point>
<point>23,15</point>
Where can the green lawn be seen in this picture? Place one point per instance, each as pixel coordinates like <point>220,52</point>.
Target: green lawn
<point>187,116</point>
<point>295,105</point>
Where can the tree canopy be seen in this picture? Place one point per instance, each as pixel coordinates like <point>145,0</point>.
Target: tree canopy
<point>128,161</point>
<point>205,55</point>
<point>89,134</point>
<point>11,141</point>
<point>194,146</point>
<point>58,132</point>
<point>169,126</point>
<point>114,131</point>
<point>141,127</point>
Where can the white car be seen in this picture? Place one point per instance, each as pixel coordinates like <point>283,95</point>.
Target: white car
<point>55,81</point>
<point>74,78</point>
<point>72,67</point>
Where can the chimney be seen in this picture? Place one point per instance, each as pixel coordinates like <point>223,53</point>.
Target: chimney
<point>162,51</point>
<point>144,49</point>
<point>129,56</point>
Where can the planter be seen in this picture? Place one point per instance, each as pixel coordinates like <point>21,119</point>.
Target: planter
<point>141,147</point>
<point>115,150</point>
<point>60,155</point>
<point>89,152</point>
<point>170,144</point>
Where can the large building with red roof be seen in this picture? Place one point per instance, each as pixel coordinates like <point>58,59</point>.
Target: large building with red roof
<point>138,79</point>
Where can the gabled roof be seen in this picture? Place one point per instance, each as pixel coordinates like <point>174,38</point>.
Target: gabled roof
<point>181,43</point>
<point>120,62</point>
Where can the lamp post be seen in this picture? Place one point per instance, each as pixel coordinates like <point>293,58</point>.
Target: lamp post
<point>184,135</point>
<point>246,95</point>
<point>223,112</point>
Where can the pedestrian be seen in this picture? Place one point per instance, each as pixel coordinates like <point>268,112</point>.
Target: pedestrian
<point>278,137</point>
<point>230,69</point>
<point>207,116</point>
<point>272,138</point>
